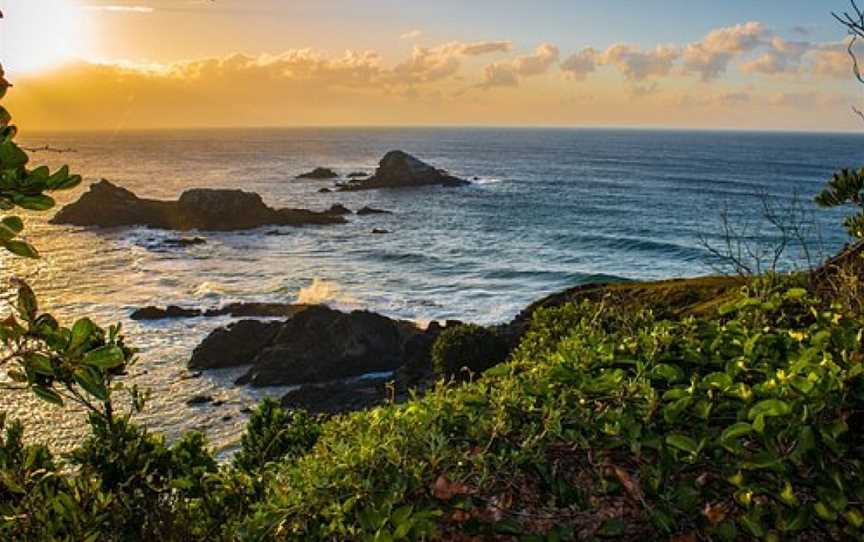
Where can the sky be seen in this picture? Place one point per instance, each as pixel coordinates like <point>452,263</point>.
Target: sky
<point>147,64</point>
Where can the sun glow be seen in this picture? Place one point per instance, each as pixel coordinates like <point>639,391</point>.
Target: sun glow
<point>36,35</point>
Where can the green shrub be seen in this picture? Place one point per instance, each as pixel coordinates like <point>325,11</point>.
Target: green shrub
<point>467,346</point>
<point>274,434</point>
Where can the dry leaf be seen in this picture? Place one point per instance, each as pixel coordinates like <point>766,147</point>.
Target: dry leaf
<point>689,537</point>
<point>444,489</point>
<point>716,513</point>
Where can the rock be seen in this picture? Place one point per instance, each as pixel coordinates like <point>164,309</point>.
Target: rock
<point>372,211</point>
<point>237,310</point>
<point>378,231</point>
<point>199,400</point>
<point>108,205</point>
<point>234,346</point>
<point>400,170</point>
<point>321,344</point>
<point>184,242</point>
<point>257,310</point>
<point>324,190</point>
<point>337,209</point>
<point>319,173</point>
<point>357,175</point>
<point>337,397</point>
<point>171,311</point>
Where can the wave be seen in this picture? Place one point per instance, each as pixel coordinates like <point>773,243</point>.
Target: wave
<point>325,292</point>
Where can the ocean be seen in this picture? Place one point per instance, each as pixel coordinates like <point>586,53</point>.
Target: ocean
<point>548,209</point>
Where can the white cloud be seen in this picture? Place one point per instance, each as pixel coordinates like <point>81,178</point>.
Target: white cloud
<point>580,64</point>
<point>637,65</point>
<point>711,57</point>
<point>411,35</point>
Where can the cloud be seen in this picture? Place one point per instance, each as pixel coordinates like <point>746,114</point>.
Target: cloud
<point>411,35</point>
<point>637,65</point>
<point>508,73</point>
<point>711,57</point>
<point>831,61</point>
<point>805,100</point>
<point>121,9</point>
<point>579,65</point>
<point>784,57</point>
<point>429,64</point>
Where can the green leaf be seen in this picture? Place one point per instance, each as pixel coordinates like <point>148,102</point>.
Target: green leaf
<point>717,380</point>
<point>769,408</point>
<point>11,156</point>
<point>27,304</point>
<point>21,248</point>
<point>735,431</point>
<point>14,223</point>
<point>39,363</point>
<point>34,203</point>
<point>81,332</point>
<point>796,293</point>
<point>47,394</point>
<point>91,380</point>
<point>682,442</point>
<point>107,357</point>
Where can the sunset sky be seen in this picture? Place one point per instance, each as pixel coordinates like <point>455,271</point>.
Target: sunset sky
<point>114,65</point>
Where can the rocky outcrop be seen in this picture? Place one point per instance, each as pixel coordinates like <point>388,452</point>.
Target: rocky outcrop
<point>236,310</point>
<point>317,345</point>
<point>108,205</point>
<point>357,175</point>
<point>401,170</point>
<point>319,173</point>
<point>233,346</point>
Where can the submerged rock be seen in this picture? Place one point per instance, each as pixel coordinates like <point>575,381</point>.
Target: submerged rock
<point>357,175</point>
<point>372,211</point>
<point>379,231</point>
<point>401,170</point>
<point>108,205</point>
<point>184,242</point>
<point>324,190</point>
<point>199,400</point>
<point>319,173</point>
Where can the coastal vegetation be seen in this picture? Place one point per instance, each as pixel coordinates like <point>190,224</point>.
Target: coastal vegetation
<point>718,408</point>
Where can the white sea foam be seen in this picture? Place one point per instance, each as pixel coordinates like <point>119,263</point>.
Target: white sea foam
<point>325,292</point>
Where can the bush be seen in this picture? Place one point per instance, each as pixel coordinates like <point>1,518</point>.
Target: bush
<point>467,346</point>
<point>274,434</point>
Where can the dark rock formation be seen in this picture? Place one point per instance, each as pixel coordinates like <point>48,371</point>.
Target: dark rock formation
<point>234,346</point>
<point>372,211</point>
<point>237,310</point>
<point>319,173</point>
<point>378,231</point>
<point>171,311</point>
<point>107,205</point>
<point>316,345</point>
<point>321,344</point>
<point>400,170</point>
<point>337,209</point>
<point>357,175</point>
<point>324,190</point>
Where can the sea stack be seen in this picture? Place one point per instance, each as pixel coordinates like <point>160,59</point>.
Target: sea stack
<point>399,169</point>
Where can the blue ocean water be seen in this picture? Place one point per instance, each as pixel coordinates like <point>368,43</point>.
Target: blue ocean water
<point>548,209</point>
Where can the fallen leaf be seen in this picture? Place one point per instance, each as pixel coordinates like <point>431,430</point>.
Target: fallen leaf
<point>689,537</point>
<point>631,486</point>
<point>716,513</point>
<point>444,489</point>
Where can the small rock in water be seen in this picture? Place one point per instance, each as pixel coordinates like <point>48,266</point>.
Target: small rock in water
<point>377,231</point>
<point>357,175</point>
<point>184,242</point>
<point>337,209</point>
<point>172,311</point>
<point>199,400</point>
<point>324,191</point>
<point>319,173</point>
<point>372,211</point>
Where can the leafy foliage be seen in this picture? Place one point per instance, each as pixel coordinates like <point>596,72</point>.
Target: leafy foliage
<point>467,346</point>
<point>846,187</point>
